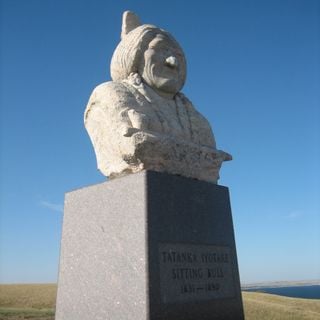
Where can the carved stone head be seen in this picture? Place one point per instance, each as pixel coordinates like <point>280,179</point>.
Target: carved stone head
<point>150,52</point>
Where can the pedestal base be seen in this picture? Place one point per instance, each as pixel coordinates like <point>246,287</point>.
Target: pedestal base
<point>148,246</point>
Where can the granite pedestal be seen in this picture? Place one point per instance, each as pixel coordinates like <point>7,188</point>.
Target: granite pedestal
<point>148,246</point>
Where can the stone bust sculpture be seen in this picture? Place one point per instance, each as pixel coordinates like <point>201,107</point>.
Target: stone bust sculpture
<point>141,120</point>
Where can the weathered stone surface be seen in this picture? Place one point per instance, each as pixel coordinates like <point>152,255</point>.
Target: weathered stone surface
<point>149,246</point>
<point>141,120</point>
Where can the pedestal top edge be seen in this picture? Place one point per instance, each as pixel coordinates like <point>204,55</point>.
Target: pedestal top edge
<point>144,174</point>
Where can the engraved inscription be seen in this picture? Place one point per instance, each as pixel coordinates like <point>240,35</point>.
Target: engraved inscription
<point>190,272</point>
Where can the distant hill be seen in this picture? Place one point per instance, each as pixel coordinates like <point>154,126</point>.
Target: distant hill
<point>275,284</point>
<point>37,301</point>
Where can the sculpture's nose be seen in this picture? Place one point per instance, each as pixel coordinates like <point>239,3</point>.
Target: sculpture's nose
<point>172,62</point>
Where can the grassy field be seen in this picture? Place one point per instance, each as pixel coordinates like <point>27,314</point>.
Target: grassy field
<point>27,301</point>
<point>37,301</point>
<point>260,306</point>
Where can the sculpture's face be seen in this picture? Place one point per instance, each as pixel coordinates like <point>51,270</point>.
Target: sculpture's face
<point>164,67</point>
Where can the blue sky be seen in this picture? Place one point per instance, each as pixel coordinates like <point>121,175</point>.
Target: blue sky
<point>253,71</point>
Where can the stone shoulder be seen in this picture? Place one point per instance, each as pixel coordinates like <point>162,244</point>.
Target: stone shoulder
<point>110,94</point>
<point>112,89</point>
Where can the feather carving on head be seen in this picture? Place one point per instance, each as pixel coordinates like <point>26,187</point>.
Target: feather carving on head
<point>130,21</point>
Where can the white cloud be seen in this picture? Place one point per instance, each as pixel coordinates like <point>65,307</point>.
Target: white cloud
<point>293,215</point>
<point>52,206</point>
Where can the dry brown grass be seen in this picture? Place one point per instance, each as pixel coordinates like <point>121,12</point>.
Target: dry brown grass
<point>263,306</point>
<point>38,296</point>
<point>27,301</point>
<point>37,301</point>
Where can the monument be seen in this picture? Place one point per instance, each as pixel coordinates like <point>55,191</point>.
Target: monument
<point>156,241</point>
